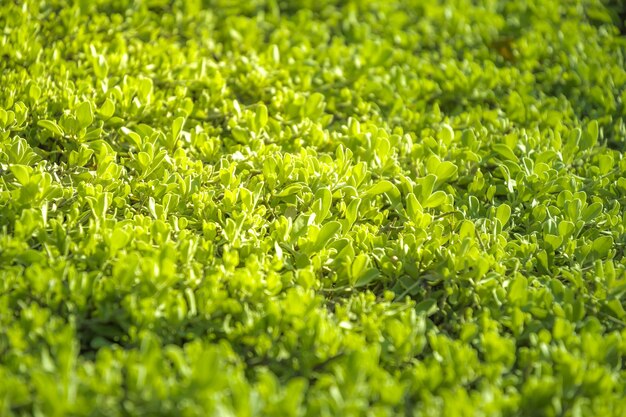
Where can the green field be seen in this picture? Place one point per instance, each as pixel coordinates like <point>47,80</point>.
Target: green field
<point>312,208</point>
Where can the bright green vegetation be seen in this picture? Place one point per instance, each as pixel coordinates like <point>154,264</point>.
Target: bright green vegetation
<point>311,208</point>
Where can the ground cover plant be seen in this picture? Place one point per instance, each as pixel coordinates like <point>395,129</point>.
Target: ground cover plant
<point>310,208</point>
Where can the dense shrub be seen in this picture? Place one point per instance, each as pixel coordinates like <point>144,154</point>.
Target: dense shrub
<point>304,208</point>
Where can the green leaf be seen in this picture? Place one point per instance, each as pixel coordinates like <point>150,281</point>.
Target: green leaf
<point>51,126</point>
<point>435,200</point>
<point>387,188</point>
<point>467,230</point>
<point>367,277</point>
<point>326,233</point>
<point>84,114</point>
<point>322,204</point>
<point>359,266</point>
<point>315,106</point>
<point>34,92</point>
<point>177,127</point>
<point>352,211</point>
<point>518,290</point>
<point>591,212</point>
<point>4,116</point>
<point>432,163</point>
<point>145,89</point>
<point>119,239</point>
<point>503,213</point>
<point>134,136</point>
<point>553,242</point>
<point>445,171</point>
<point>616,308</point>
<point>152,207</point>
<point>21,173</point>
<point>566,228</point>
<point>261,116</point>
<point>602,245</point>
<point>108,109</point>
<point>414,208</point>
<point>383,147</point>
<point>428,307</point>
<point>505,152</point>
<point>590,136</point>
<point>380,187</point>
<point>446,134</point>
<point>426,186</point>
<point>290,190</point>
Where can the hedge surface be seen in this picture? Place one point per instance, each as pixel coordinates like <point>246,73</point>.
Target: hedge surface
<point>310,208</point>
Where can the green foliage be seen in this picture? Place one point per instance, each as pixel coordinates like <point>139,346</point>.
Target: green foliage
<point>304,208</point>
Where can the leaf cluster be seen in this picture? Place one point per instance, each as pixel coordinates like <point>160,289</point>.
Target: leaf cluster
<point>304,208</point>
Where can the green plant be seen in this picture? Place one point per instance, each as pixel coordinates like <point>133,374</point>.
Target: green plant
<point>299,208</point>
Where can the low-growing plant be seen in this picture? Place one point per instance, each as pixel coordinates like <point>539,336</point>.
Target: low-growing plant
<point>304,208</point>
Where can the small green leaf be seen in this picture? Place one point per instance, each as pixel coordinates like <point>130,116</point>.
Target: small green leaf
<point>52,126</point>
<point>84,114</point>
<point>467,230</point>
<point>290,190</point>
<point>21,173</point>
<point>590,136</point>
<point>134,136</point>
<point>152,207</point>
<point>358,266</point>
<point>326,233</point>
<point>505,152</point>
<point>322,204</point>
<point>553,242</point>
<point>261,116</point>
<point>435,200</point>
<point>34,92</point>
<point>503,213</point>
<point>432,163</point>
<point>382,149</point>
<point>387,188</point>
<point>144,159</point>
<point>428,307</point>
<point>145,89</point>
<point>616,308</point>
<point>177,127</point>
<point>602,245</point>
<point>447,134</point>
<point>315,106</point>
<point>367,277</point>
<point>414,208</point>
<point>591,212</point>
<point>445,171</point>
<point>108,109</point>
<point>379,188</point>
<point>566,228</point>
<point>119,239</point>
<point>352,211</point>
<point>426,186</point>
<point>518,290</point>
